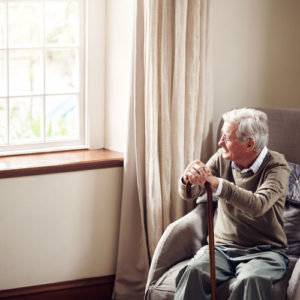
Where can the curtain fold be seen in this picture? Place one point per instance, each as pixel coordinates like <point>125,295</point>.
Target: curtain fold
<point>170,121</point>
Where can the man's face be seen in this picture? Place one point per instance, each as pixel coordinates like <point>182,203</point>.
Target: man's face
<point>233,148</point>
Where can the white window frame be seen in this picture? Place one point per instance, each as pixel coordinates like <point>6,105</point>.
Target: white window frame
<point>95,72</point>
<point>92,68</point>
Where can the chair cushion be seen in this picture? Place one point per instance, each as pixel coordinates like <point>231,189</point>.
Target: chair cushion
<point>291,215</point>
<point>164,288</point>
<point>279,289</point>
<point>291,221</point>
<point>293,195</point>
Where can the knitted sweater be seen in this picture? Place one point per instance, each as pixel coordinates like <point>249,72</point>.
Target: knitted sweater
<point>250,206</point>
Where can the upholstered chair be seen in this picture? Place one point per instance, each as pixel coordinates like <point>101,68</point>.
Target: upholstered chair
<point>183,238</point>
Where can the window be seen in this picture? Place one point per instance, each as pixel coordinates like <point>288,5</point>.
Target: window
<point>42,68</point>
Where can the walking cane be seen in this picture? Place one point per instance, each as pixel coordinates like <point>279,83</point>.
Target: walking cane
<point>211,239</point>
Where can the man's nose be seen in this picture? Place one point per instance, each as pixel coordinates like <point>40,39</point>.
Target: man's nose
<point>221,141</point>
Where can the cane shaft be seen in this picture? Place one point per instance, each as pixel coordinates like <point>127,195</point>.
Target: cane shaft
<point>211,241</point>
<point>188,189</point>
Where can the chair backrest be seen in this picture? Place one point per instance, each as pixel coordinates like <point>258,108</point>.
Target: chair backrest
<point>284,132</point>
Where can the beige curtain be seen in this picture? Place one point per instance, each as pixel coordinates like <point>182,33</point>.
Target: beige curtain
<point>170,121</point>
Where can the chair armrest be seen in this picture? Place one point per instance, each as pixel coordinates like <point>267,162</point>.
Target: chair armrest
<point>293,291</point>
<point>180,241</point>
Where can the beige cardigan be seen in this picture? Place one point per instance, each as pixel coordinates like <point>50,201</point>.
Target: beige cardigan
<point>250,206</point>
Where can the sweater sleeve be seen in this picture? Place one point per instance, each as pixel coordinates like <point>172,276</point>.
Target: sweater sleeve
<point>274,186</point>
<point>195,191</point>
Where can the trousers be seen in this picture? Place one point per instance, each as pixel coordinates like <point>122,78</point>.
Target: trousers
<point>255,270</point>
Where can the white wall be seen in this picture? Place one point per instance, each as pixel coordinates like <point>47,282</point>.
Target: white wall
<point>59,227</point>
<point>255,50</point>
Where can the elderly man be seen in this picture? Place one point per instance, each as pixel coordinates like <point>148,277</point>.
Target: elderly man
<point>251,184</point>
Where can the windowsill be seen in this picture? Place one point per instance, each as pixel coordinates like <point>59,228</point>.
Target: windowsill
<point>57,162</point>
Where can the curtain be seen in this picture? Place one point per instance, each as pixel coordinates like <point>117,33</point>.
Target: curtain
<point>170,124</point>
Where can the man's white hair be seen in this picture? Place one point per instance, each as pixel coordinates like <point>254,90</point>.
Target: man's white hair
<point>252,124</point>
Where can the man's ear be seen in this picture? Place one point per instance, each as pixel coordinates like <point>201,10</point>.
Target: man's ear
<point>250,145</point>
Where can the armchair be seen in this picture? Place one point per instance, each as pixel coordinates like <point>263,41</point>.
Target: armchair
<point>183,238</point>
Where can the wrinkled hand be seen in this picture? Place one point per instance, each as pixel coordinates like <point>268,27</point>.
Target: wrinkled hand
<point>196,173</point>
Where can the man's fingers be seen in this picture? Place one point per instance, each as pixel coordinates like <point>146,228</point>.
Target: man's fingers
<point>196,173</point>
<point>196,179</point>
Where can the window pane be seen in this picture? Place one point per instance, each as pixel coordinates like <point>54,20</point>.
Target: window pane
<point>25,72</point>
<point>2,25</point>
<point>62,71</point>
<point>62,116</point>
<point>62,22</point>
<point>25,117</point>
<point>25,23</point>
<point>3,121</point>
<point>41,54</point>
<point>3,73</point>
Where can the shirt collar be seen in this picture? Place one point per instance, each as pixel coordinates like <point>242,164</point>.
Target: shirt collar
<point>256,165</point>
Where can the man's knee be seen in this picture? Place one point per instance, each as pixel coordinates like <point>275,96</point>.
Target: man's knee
<point>199,269</point>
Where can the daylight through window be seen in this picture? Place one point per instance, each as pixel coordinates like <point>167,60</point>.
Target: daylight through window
<point>41,73</point>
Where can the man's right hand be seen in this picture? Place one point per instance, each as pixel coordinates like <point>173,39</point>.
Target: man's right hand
<point>196,173</point>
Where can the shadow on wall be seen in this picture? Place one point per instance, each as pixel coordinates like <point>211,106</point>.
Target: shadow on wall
<point>255,51</point>
<point>281,63</point>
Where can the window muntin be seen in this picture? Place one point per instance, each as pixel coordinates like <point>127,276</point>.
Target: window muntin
<point>41,74</point>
